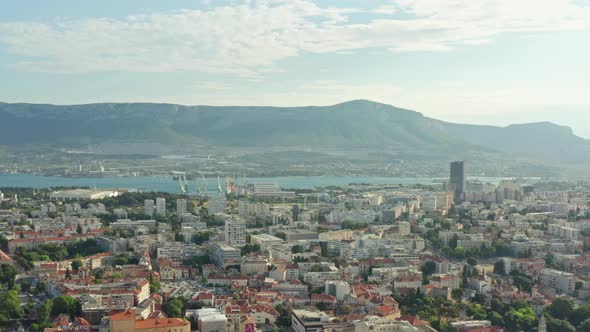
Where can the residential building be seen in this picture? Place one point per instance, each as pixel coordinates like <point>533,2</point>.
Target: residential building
<point>180,208</point>
<point>221,253</point>
<point>235,232</point>
<point>126,321</point>
<point>562,282</point>
<point>161,206</point>
<point>148,207</point>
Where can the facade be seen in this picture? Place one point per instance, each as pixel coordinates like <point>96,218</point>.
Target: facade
<point>235,233</point>
<point>148,207</point>
<point>265,241</point>
<point>308,321</point>
<point>221,252</point>
<point>457,179</point>
<point>381,324</point>
<point>217,204</point>
<point>562,282</point>
<point>161,206</point>
<point>180,208</point>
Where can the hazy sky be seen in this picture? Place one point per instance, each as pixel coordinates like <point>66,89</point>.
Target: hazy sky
<point>476,61</point>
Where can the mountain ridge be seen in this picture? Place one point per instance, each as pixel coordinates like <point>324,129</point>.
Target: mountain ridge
<point>355,124</point>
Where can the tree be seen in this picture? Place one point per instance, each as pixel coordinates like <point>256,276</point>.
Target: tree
<point>343,309</point>
<point>66,304</point>
<point>458,252</point>
<point>249,248</point>
<point>25,286</point>
<point>296,249</point>
<point>40,288</point>
<point>154,285</point>
<point>10,306</point>
<point>561,308</point>
<point>559,325</point>
<point>580,314</point>
<point>79,229</point>
<point>174,307</point>
<point>44,314</point>
<point>428,268</point>
<point>500,267</point>
<point>76,264</point>
<point>284,319</point>
<point>7,275</point>
<point>472,261</point>
<point>522,319</point>
<point>495,318</point>
<point>585,326</point>
<point>453,241</point>
<point>523,281</point>
<point>457,294</point>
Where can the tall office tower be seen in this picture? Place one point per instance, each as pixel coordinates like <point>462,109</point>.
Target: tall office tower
<point>235,233</point>
<point>180,208</point>
<point>458,179</point>
<point>161,206</point>
<point>148,207</point>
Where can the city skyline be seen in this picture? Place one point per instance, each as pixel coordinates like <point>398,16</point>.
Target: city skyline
<point>484,62</point>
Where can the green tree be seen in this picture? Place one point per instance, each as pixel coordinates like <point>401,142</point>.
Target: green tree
<point>250,248</point>
<point>284,319</point>
<point>472,261</point>
<point>40,288</point>
<point>559,325</point>
<point>76,264</point>
<point>500,267</point>
<point>457,294</point>
<point>10,306</point>
<point>522,319</point>
<point>174,307</point>
<point>580,314</point>
<point>428,268</point>
<point>154,285</point>
<point>44,313</point>
<point>495,318</point>
<point>25,286</point>
<point>453,241</point>
<point>296,249</point>
<point>561,308</point>
<point>584,326</point>
<point>66,304</point>
<point>7,275</point>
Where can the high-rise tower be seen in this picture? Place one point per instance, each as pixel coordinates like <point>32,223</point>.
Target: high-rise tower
<point>457,180</point>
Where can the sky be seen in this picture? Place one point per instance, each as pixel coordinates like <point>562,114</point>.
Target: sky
<point>470,61</point>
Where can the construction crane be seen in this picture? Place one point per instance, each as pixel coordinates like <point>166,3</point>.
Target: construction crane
<point>183,184</point>
<point>219,190</point>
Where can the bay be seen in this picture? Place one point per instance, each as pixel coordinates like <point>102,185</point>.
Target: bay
<point>168,184</point>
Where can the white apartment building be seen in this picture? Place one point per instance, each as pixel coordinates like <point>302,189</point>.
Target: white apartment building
<point>221,252</point>
<point>235,232</point>
<point>148,207</point>
<point>180,208</point>
<point>161,206</point>
<point>217,204</point>
<point>337,288</point>
<point>265,241</point>
<point>562,282</point>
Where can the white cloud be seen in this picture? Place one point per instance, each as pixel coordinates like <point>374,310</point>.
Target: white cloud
<point>248,39</point>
